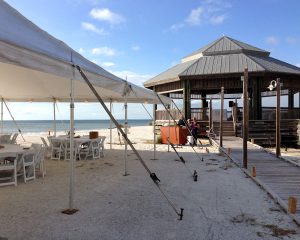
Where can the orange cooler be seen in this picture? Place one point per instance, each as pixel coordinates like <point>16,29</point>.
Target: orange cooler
<point>178,135</point>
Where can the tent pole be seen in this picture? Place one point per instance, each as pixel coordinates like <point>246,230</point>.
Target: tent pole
<point>126,132</point>
<point>154,139</point>
<point>71,190</point>
<point>1,115</point>
<point>169,115</point>
<point>110,125</point>
<point>54,118</point>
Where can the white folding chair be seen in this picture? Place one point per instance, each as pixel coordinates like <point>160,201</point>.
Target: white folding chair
<point>13,139</point>
<point>84,150</point>
<point>5,138</point>
<point>28,166</point>
<point>8,172</point>
<point>39,161</point>
<point>47,147</point>
<point>56,149</point>
<point>97,147</point>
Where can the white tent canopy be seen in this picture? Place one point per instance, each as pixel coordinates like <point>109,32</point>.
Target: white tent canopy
<point>34,66</point>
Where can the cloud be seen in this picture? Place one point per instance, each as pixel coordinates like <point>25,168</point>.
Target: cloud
<point>136,48</point>
<point>215,20</point>
<point>194,17</point>
<point>105,51</point>
<point>133,77</point>
<point>104,14</point>
<point>298,65</point>
<point>272,40</point>
<point>91,27</point>
<point>176,27</point>
<point>212,12</point>
<point>108,64</point>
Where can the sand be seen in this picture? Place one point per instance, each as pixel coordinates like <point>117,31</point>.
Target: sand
<point>222,204</point>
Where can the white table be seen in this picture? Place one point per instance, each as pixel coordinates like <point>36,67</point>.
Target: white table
<point>11,150</point>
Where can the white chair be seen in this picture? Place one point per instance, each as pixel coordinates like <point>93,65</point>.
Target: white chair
<point>47,147</point>
<point>39,161</point>
<point>84,150</point>
<point>68,152</point>
<point>8,172</point>
<point>56,149</point>
<point>13,139</point>
<point>28,166</point>
<point>5,138</point>
<point>97,147</point>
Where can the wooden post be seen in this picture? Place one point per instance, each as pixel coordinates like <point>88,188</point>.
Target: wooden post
<point>292,205</point>
<point>245,118</point>
<point>210,115</point>
<point>221,117</point>
<point>278,142</point>
<point>186,99</point>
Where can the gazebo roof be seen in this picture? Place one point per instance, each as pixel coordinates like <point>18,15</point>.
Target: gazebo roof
<point>223,57</point>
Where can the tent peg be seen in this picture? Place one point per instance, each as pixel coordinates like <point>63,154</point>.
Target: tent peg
<point>180,214</point>
<point>195,176</point>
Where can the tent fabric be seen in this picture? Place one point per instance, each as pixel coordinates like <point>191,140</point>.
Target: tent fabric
<point>37,67</point>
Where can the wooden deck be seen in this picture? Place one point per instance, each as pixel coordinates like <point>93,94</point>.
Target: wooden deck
<point>280,178</point>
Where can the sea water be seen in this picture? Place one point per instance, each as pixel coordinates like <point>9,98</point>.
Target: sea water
<point>41,126</point>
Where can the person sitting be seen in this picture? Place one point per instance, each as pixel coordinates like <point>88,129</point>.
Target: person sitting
<point>181,121</point>
<point>194,130</point>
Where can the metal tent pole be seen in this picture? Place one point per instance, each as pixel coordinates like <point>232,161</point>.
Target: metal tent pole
<point>154,139</point>
<point>126,132</point>
<point>1,115</point>
<point>72,164</point>
<point>54,118</point>
<point>169,130</point>
<point>110,125</point>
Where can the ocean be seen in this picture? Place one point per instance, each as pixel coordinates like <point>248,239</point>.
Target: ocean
<point>41,126</point>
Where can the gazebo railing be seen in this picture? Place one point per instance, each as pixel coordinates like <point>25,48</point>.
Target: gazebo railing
<point>269,113</point>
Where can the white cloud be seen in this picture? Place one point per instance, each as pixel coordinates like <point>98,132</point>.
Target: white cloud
<point>133,77</point>
<point>272,40</point>
<point>106,51</point>
<point>212,12</point>
<point>91,27</point>
<point>215,20</point>
<point>136,48</point>
<point>195,15</point>
<point>176,27</point>
<point>104,14</point>
<point>298,65</point>
<point>108,64</point>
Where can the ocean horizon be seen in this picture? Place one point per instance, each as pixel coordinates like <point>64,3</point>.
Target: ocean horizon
<point>41,126</point>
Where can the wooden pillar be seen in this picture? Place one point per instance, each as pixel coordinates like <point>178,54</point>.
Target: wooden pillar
<point>256,99</point>
<point>203,105</point>
<point>186,99</point>
<point>245,118</point>
<point>221,116</point>
<point>291,98</point>
<point>210,115</point>
<point>278,142</point>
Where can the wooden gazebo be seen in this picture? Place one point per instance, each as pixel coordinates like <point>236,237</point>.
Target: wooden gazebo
<point>221,63</point>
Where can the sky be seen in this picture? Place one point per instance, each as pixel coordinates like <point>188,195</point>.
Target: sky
<point>140,39</point>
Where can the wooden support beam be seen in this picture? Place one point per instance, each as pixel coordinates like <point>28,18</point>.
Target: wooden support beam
<point>221,116</point>
<point>278,142</point>
<point>210,115</point>
<point>245,118</point>
<point>291,98</point>
<point>186,99</point>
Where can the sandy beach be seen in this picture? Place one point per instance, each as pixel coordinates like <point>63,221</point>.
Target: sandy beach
<point>222,204</point>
